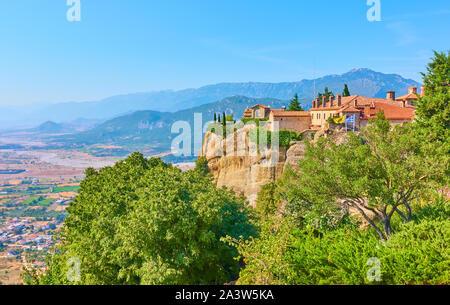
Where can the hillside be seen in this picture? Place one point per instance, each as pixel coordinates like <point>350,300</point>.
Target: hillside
<point>152,129</point>
<point>360,81</point>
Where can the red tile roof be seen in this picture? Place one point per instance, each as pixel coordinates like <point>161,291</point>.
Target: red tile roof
<point>285,113</point>
<point>391,111</point>
<point>262,106</point>
<point>349,109</point>
<point>409,96</point>
<point>360,101</point>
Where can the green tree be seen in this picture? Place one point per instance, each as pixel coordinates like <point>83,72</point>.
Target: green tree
<point>201,165</point>
<point>418,254</point>
<point>433,109</point>
<point>230,118</point>
<point>346,92</point>
<point>380,173</point>
<point>145,222</point>
<point>286,255</point>
<point>264,257</point>
<point>215,117</point>
<point>327,93</point>
<point>294,104</point>
<point>267,201</point>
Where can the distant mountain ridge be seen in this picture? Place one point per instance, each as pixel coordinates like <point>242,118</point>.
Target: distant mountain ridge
<point>152,129</point>
<point>361,81</point>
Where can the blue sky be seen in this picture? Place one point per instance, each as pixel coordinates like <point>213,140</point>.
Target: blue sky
<point>127,46</point>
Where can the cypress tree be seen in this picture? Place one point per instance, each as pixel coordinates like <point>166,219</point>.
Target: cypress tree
<point>294,105</point>
<point>346,92</point>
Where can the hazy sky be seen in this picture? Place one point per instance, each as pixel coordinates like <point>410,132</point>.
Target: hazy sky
<point>127,46</point>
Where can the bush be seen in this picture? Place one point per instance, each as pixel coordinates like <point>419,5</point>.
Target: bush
<point>284,254</point>
<point>201,165</point>
<point>257,121</point>
<point>418,254</point>
<point>264,256</point>
<point>267,202</point>
<point>334,257</point>
<point>285,137</point>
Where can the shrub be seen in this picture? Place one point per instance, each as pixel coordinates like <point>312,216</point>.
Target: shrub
<point>264,256</point>
<point>285,136</point>
<point>334,257</point>
<point>418,254</point>
<point>257,121</point>
<point>267,202</point>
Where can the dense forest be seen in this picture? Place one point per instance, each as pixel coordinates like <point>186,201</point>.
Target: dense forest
<point>373,210</point>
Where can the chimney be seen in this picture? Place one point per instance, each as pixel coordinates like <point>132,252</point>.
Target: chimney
<point>339,100</point>
<point>355,103</point>
<point>404,104</point>
<point>284,108</point>
<point>391,95</point>
<point>331,98</point>
<point>324,101</point>
<point>412,90</point>
<point>422,91</point>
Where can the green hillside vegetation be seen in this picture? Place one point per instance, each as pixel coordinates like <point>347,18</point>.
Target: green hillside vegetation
<point>285,137</point>
<point>152,130</point>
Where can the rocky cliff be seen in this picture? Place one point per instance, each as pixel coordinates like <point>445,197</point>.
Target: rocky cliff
<point>236,163</point>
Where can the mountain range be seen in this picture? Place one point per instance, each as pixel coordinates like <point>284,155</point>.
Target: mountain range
<point>150,131</point>
<point>360,81</point>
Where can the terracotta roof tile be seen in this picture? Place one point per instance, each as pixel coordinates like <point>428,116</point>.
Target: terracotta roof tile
<point>285,113</point>
<point>410,96</point>
<point>391,111</point>
<point>262,106</point>
<point>349,109</point>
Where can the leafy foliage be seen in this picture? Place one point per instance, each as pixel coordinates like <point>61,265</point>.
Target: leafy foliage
<point>327,93</point>
<point>264,256</point>
<point>267,201</point>
<point>294,104</point>
<point>418,254</point>
<point>285,137</point>
<point>346,92</point>
<point>257,121</point>
<point>433,109</point>
<point>201,165</point>
<point>380,172</point>
<point>285,255</point>
<point>145,222</point>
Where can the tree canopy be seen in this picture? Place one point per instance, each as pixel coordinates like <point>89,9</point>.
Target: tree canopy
<point>346,92</point>
<point>378,173</point>
<point>433,109</point>
<point>145,222</point>
<point>294,104</point>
